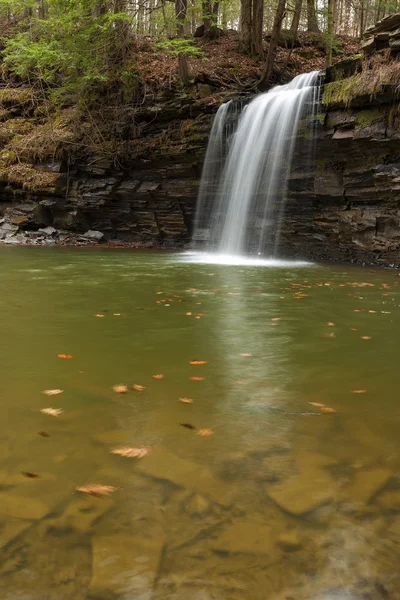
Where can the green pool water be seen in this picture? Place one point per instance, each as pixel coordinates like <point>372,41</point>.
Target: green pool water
<point>281,500</point>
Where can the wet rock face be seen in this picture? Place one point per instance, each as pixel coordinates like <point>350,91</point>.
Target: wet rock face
<point>342,205</point>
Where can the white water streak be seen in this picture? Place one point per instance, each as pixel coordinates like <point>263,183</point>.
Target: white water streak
<point>245,209</point>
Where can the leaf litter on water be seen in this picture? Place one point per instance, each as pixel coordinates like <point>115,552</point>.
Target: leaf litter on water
<point>95,489</point>
<point>195,361</point>
<point>186,400</point>
<point>195,378</point>
<point>52,392</point>
<point>158,376</point>
<point>205,432</point>
<point>132,452</point>
<point>188,426</point>
<point>120,388</point>
<point>53,412</point>
<point>66,356</point>
<point>137,388</point>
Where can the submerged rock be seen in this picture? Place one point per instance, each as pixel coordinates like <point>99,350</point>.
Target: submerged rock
<point>247,537</point>
<point>11,530</point>
<point>125,566</point>
<point>184,473</point>
<point>22,507</point>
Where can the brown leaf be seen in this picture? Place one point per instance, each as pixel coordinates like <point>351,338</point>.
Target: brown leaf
<point>188,314</point>
<point>132,452</point>
<point>30,474</point>
<point>116,314</point>
<point>276,319</point>
<point>52,392</point>
<point>186,400</point>
<point>205,432</point>
<point>54,412</point>
<point>245,355</point>
<point>99,315</point>
<point>353,329</point>
<point>359,391</point>
<point>43,434</point>
<point>188,426</point>
<point>317,404</point>
<point>120,388</point>
<point>327,410</point>
<point>365,337</point>
<point>330,324</point>
<point>67,356</point>
<point>197,362</point>
<point>138,388</point>
<point>158,376</point>
<point>194,378</point>
<point>95,489</point>
<point>330,335</point>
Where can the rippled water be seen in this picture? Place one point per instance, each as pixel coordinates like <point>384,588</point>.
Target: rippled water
<point>281,501</point>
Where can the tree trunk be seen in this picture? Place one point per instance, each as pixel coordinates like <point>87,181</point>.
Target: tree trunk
<point>296,19</point>
<point>245,25</point>
<point>180,15</point>
<point>256,48</point>
<point>329,37</point>
<point>312,23</point>
<point>279,16</point>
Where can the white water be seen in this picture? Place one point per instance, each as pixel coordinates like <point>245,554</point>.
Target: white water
<point>244,182</point>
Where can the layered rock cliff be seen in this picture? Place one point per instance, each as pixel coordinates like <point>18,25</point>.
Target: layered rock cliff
<point>343,204</point>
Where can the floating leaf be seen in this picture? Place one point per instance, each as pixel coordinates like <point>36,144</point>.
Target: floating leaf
<point>194,378</point>
<point>43,434</point>
<point>138,388</point>
<point>30,475</point>
<point>158,376</point>
<point>52,392</point>
<point>330,335</point>
<point>276,319</point>
<point>197,362</point>
<point>328,410</point>
<point>359,391</point>
<point>188,426</point>
<point>245,355</point>
<point>205,432</point>
<point>116,314</point>
<point>353,329</point>
<point>120,388</point>
<point>132,452</point>
<point>365,337</point>
<point>186,400</point>
<point>67,356</point>
<point>54,412</point>
<point>99,316</point>
<point>317,404</point>
<point>188,314</point>
<point>197,317</point>
<point>94,489</point>
<point>331,324</point>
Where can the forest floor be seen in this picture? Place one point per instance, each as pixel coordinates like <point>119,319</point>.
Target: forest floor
<point>224,65</point>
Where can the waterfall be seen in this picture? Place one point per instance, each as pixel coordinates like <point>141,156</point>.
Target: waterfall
<point>245,175</point>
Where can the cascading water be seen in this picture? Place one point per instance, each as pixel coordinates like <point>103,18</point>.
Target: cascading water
<point>244,181</point>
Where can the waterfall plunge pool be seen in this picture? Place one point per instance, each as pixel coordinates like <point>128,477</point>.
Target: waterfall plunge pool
<point>279,499</point>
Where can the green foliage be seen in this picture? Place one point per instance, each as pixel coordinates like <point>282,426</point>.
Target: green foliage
<point>178,46</point>
<point>73,49</point>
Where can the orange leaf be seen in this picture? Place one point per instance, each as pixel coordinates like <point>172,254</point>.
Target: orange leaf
<point>120,388</point>
<point>205,432</point>
<point>132,452</point>
<point>327,410</point>
<point>186,400</point>
<point>138,388</point>
<point>158,376</point>
<point>245,355</point>
<point>67,356</point>
<point>54,412</point>
<point>197,362</point>
<point>365,337</point>
<point>318,404</point>
<point>52,392</point>
<point>359,391</point>
<point>99,315</point>
<point>95,489</point>
<point>194,378</point>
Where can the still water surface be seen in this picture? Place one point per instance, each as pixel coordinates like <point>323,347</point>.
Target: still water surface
<point>281,501</point>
